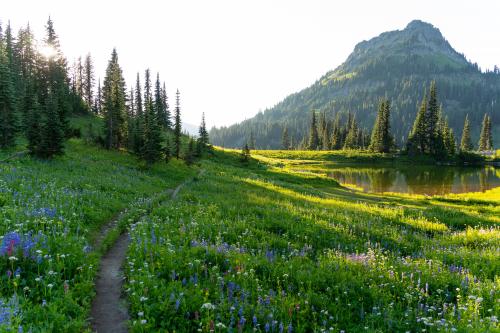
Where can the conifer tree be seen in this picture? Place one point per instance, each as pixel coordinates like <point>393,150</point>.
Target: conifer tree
<point>151,151</point>
<point>158,102</point>
<point>251,141</point>
<point>114,106</point>
<point>189,155</point>
<point>466,142</point>
<point>177,125</point>
<point>336,140</point>
<point>313,143</point>
<point>285,139</point>
<point>138,119</point>
<point>98,99</point>
<point>203,141</point>
<point>417,138</point>
<point>167,121</point>
<point>245,154</point>
<point>351,141</point>
<point>381,139</point>
<point>33,127</point>
<point>88,80</point>
<point>8,119</point>
<point>485,138</point>
<point>432,142</point>
<point>52,133</point>
<point>167,150</point>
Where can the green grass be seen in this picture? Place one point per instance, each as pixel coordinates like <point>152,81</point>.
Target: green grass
<point>259,246</point>
<point>50,213</point>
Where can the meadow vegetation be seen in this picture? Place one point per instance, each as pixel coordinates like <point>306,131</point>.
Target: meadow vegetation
<point>261,247</point>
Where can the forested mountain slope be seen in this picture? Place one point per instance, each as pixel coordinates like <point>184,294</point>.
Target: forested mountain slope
<point>397,64</point>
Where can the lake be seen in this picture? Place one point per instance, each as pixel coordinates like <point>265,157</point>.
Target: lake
<point>430,180</point>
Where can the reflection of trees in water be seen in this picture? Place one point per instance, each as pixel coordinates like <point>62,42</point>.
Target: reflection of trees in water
<point>371,179</point>
<point>429,180</point>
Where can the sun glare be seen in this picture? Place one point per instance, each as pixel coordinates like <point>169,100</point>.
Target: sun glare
<point>48,51</point>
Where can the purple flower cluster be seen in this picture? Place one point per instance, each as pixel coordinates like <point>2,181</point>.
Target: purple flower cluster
<point>13,242</point>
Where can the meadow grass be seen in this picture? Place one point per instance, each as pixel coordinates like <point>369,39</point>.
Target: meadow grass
<point>50,214</point>
<point>261,247</point>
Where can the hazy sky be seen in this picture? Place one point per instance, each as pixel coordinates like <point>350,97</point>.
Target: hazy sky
<point>232,58</point>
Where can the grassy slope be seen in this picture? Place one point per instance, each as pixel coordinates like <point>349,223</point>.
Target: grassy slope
<point>56,207</point>
<point>263,246</point>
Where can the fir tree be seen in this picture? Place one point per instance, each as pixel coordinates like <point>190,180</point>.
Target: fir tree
<point>245,154</point>
<point>8,119</point>
<point>202,142</point>
<point>485,138</point>
<point>177,125</point>
<point>189,155</point>
<point>167,122</point>
<point>114,106</point>
<point>336,141</point>
<point>33,127</point>
<point>313,143</point>
<point>158,102</point>
<point>432,142</point>
<point>285,139</point>
<point>381,139</point>
<point>466,142</point>
<point>138,119</point>
<point>351,141</point>
<point>167,151</point>
<point>417,138</point>
<point>152,132</point>
<point>88,80</point>
<point>51,143</point>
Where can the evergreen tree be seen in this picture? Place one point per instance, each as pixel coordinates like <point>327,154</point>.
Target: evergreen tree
<point>33,119</point>
<point>313,143</point>
<point>351,141</point>
<point>245,154</point>
<point>98,99</point>
<point>417,138</point>
<point>466,142</point>
<point>189,155</point>
<point>114,106</point>
<point>152,131</point>
<point>202,142</point>
<point>138,119</point>
<point>167,122</point>
<point>381,139</point>
<point>177,125</point>
<point>285,139</point>
<point>88,80</point>
<point>158,102</point>
<point>52,137</point>
<point>167,151</point>
<point>252,143</point>
<point>432,142</point>
<point>8,119</point>
<point>485,139</point>
<point>336,140</point>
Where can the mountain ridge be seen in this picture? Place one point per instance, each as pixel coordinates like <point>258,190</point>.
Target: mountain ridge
<point>398,64</point>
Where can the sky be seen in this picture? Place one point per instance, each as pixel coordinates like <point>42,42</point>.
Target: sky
<point>231,58</point>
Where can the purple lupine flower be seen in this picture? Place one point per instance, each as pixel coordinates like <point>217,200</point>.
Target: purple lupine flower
<point>290,328</point>
<point>267,327</point>
<point>254,320</point>
<point>281,327</point>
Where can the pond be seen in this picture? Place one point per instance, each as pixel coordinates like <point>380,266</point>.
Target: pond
<point>430,180</point>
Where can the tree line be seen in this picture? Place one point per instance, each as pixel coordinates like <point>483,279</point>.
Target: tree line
<point>430,134</point>
<point>39,91</point>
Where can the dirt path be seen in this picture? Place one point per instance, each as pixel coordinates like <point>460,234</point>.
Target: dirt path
<point>109,310</point>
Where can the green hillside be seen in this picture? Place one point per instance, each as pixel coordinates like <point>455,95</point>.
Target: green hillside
<point>397,64</point>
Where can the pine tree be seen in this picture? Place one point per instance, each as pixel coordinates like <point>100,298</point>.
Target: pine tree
<point>8,119</point>
<point>485,139</point>
<point>336,140</point>
<point>313,143</point>
<point>33,127</point>
<point>158,102</point>
<point>417,138</point>
<point>152,132</point>
<point>88,80</point>
<point>245,154</point>
<point>138,119</point>
<point>432,142</point>
<point>98,99</point>
<point>177,125</point>
<point>167,122</point>
<point>285,139</point>
<point>378,142</point>
<point>189,155</point>
<point>351,141</point>
<point>202,142</point>
<point>52,132</point>
<point>114,106</point>
<point>466,142</point>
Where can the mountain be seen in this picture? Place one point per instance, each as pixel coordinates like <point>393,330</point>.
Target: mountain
<point>398,64</point>
<point>190,129</point>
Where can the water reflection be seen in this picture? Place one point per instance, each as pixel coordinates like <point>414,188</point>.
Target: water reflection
<point>428,180</point>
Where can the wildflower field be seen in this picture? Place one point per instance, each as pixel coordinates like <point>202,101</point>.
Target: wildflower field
<point>50,215</point>
<point>262,248</point>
